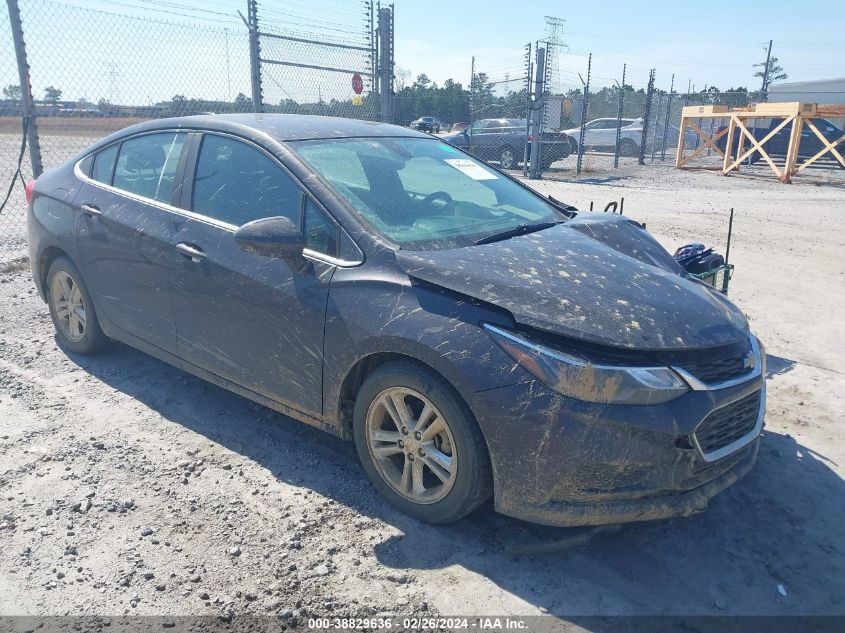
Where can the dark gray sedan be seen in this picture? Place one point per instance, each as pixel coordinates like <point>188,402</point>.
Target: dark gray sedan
<point>474,338</point>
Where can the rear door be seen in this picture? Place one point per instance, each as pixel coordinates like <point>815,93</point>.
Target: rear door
<point>124,234</point>
<point>253,320</point>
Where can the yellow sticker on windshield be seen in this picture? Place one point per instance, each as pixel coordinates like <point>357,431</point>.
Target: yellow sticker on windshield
<point>471,169</point>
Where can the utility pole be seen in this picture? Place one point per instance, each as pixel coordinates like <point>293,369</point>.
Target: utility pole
<point>764,91</point>
<point>537,111</point>
<point>27,104</point>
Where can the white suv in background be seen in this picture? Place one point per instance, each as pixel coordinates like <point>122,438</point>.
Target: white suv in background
<point>601,134</point>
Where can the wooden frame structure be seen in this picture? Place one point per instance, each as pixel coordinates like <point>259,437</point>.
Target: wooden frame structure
<point>801,115</point>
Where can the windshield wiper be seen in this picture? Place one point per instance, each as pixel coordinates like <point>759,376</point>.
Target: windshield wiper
<point>522,229</point>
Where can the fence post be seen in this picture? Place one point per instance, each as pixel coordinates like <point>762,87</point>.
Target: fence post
<point>619,117</point>
<point>529,106</point>
<point>537,112</point>
<point>584,109</point>
<point>471,101</point>
<point>254,55</point>
<point>385,32</point>
<point>668,113</point>
<point>27,104</point>
<point>646,116</point>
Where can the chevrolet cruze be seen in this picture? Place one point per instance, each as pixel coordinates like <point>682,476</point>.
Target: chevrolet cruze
<point>472,337</point>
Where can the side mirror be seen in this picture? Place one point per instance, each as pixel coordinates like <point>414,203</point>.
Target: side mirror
<point>275,237</point>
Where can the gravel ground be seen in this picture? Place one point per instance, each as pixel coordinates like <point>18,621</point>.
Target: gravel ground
<point>129,487</point>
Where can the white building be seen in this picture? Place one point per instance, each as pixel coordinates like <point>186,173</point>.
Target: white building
<point>820,91</point>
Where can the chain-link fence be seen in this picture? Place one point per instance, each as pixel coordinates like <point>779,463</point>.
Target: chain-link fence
<point>318,67</point>
<point>93,72</point>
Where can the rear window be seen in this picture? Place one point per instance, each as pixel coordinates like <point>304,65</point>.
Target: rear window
<point>146,165</point>
<point>104,164</point>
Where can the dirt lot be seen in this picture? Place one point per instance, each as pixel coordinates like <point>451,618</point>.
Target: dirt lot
<point>130,487</point>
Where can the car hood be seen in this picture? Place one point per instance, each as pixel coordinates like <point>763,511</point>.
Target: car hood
<point>599,278</point>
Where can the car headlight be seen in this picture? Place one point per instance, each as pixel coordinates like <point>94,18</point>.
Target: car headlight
<point>580,379</point>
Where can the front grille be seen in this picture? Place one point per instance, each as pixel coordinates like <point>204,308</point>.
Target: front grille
<point>715,370</point>
<point>728,424</point>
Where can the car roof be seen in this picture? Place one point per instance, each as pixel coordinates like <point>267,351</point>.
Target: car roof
<point>281,127</point>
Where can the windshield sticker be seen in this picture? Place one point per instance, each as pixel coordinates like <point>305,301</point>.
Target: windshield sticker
<point>469,168</point>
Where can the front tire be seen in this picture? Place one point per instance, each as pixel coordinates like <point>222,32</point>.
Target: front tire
<point>72,309</point>
<point>507,158</point>
<point>419,444</point>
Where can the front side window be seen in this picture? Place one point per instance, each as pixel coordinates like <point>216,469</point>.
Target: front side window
<point>146,165</point>
<point>422,193</point>
<point>236,183</point>
<point>104,164</point>
<point>321,234</point>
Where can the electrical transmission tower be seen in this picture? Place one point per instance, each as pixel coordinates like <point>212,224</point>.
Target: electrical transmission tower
<point>554,44</point>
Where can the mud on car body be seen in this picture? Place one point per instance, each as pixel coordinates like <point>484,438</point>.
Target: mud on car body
<point>473,338</point>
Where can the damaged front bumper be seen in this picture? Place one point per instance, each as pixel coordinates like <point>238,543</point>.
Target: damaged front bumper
<point>564,462</point>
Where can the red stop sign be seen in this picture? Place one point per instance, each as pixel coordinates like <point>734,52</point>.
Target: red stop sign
<point>357,84</point>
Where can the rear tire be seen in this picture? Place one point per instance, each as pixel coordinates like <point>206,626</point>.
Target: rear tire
<point>419,444</point>
<point>72,309</point>
<point>628,148</point>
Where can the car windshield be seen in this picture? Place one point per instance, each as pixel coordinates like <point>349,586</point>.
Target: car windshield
<point>422,193</point>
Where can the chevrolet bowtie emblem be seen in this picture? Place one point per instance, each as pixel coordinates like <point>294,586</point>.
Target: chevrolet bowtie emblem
<point>749,361</point>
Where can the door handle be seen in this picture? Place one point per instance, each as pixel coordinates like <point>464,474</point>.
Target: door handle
<point>195,253</point>
<point>91,210</point>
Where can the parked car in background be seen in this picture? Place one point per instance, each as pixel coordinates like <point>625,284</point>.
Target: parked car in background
<point>600,135</point>
<point>504,141</point>
<point>459,126</point>
<point>473,337</point>
<point>427,124</point>
<point>778,145</point>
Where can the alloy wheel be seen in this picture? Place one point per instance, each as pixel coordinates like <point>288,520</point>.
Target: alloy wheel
<point>411,445</point>
<point>506,160</point>
<point>69,306</point>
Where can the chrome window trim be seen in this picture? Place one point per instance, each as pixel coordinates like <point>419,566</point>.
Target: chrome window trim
<point>698,385</point>
<point>317,256</point>
<point>155,203</point>
<point>307,253</point>
<point>737,444</point>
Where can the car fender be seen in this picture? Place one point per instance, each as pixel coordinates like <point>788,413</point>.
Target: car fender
<point>395,314</point>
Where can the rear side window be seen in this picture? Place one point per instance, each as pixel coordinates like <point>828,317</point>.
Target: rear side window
<point>237,183</point>
<point>104,164</point>
<point>146,165</point>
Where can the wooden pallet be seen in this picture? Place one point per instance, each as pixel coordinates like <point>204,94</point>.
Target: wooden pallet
<point>795,112</point>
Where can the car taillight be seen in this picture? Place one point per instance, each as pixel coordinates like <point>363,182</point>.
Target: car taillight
<point>530,137</point>
<point>28,189</point>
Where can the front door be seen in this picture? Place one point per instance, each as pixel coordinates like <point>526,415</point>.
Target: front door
<point>124,234</point>
<point>254,320</point>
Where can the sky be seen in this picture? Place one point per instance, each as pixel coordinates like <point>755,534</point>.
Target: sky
<point>712,43</point>
<point>144,51</point>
